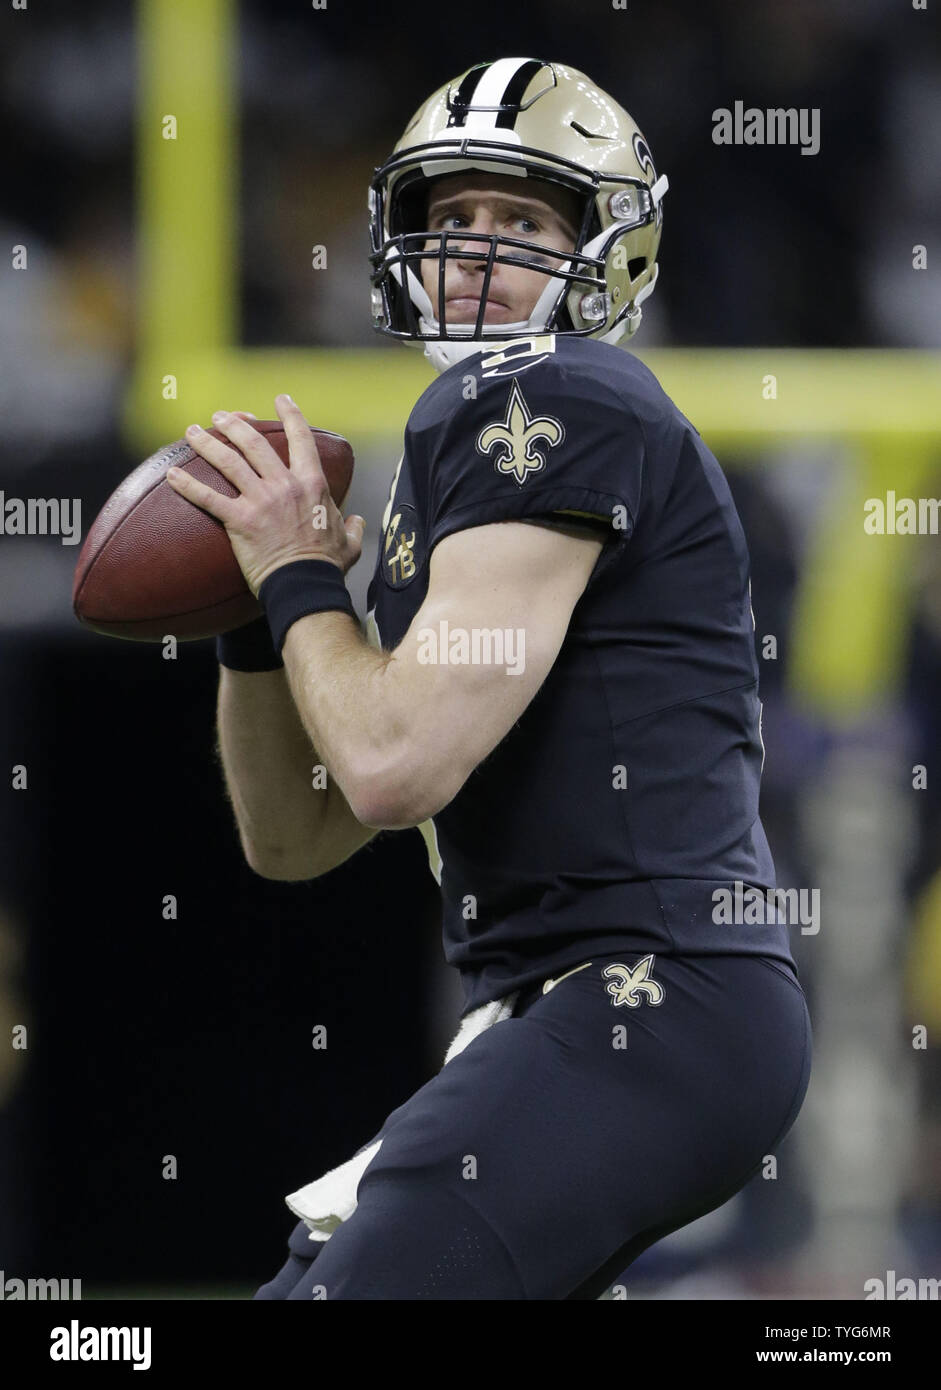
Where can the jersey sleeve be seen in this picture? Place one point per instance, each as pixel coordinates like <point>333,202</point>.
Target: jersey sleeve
<point>547,443</point>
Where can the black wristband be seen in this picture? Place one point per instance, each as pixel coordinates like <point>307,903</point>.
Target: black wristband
<point>302,587</point>
<point>249,648</point>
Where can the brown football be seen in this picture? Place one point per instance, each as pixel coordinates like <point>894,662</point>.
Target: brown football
<point>155,565</point>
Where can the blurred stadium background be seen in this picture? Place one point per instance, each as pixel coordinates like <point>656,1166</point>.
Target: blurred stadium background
<point>192,259</point>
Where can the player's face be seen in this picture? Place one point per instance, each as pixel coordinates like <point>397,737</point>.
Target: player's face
<point>496,204</point>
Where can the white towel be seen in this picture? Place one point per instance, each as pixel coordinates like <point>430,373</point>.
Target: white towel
<point>478,1020</point>
<point>328,1201</point>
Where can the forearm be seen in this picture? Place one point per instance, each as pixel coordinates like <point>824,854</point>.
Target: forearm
<point>291,824</point>
<point>357,709</point>
<point>401,731</point>
<point>268,760</point>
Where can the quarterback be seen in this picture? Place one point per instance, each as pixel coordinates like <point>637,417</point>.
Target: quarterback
<point>558,684</point>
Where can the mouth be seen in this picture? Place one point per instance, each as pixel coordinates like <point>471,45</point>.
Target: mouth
<point>464,306</point>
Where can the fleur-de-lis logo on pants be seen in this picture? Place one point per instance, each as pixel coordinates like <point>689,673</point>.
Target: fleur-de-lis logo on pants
<point>516,437</point>
<point>627,983</point>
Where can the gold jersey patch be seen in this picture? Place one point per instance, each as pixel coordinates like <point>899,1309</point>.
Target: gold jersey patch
<point>400,547</point>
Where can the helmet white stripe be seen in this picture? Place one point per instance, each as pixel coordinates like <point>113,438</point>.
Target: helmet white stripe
<point>490,91</point>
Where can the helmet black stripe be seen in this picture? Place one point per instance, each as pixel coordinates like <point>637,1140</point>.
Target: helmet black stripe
<point>459,102</point>
<point>515,88</point>
<point>506,108</point>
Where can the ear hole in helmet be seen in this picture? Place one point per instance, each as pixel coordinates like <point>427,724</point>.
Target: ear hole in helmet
<point>636,266</point>
<point>408,207</point>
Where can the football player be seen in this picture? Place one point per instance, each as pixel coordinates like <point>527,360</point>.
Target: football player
<point>559,685</point>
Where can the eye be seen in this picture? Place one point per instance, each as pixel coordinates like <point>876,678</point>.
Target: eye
<point>527,224</point>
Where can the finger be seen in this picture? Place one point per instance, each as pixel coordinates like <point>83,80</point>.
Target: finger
<point>202,496</point>
<point>254,446</point>
<point>229,462</point>
<point>305,460</point>
<point>354,527</point>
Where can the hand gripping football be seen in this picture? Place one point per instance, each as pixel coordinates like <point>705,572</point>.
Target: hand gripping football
<point>155,565</point>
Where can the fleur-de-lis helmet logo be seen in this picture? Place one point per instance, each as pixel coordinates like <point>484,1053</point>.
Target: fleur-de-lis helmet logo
<point>628,982</point>
<point>516,437</point>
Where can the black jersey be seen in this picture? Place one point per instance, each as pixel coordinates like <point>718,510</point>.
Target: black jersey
<point>623,804</point>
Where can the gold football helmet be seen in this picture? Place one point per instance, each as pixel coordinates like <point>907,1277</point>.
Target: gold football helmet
<point>540,121</point>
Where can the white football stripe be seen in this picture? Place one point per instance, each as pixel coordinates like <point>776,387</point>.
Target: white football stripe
<point>490,89</point>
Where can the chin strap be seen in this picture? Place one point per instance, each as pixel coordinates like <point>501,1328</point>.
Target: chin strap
<point>443,354</point>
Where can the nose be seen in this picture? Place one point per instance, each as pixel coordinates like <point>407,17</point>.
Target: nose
<point>481,225</point>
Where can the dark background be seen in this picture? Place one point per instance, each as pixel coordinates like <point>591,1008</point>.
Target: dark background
<point>191,1037</point>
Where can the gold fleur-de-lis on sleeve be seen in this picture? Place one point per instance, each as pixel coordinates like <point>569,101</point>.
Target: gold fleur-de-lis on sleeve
<point>516,438</point>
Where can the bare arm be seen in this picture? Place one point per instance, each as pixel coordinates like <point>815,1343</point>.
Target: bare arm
<point>288,829</point>
<point>402,731</point>
<point>399,732</point>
